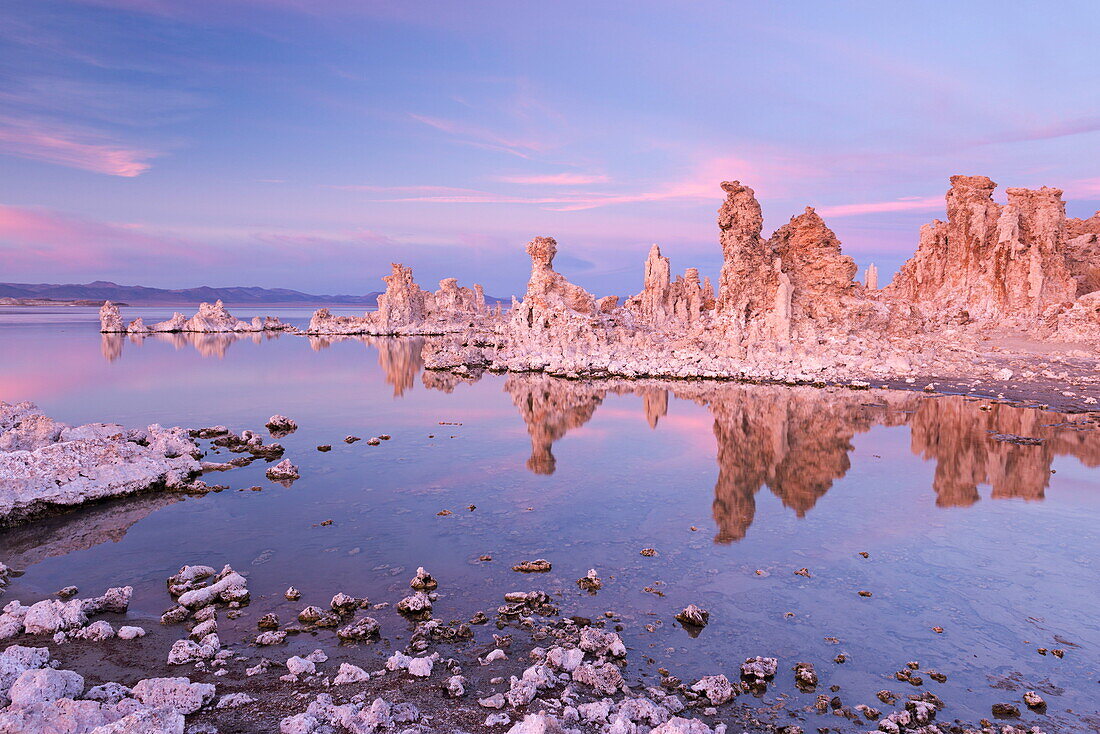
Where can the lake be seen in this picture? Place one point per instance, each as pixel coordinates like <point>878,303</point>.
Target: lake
<point>932,504</point>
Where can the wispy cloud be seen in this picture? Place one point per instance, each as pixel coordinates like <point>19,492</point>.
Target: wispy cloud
<point>877,207</point>
<point>67,146</point>
<point>481,137</point>
<point>1083,188</point>
<point>31,237</point>
<point>1047,130</point>
<point>772,175</point>
<point>555,179</point>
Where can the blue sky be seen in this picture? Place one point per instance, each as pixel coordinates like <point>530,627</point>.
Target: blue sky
<point>307,144</point>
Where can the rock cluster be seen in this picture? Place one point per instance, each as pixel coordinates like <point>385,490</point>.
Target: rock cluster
<point>65,619</point>
<point>210,319</point>
<point>41,698</point>
<point>48,465</point>
<point>405,308</point>
<point>788,306</point>
<point>991,261</point>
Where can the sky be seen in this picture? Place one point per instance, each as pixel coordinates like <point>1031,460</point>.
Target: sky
<point>307,144</point>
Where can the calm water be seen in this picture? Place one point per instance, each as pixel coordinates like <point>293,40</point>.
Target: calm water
<point>735,486</point>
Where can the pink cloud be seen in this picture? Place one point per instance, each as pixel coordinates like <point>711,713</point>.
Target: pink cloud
<point>556,179</point>
<point>773,176</point>
<point>41,240</point>
<point>29,237</point>
<point>1083,188</point>
<point>72,148</point>
<point>898,205</point>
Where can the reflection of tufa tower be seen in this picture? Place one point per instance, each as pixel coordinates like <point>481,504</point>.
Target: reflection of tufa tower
<point>797,441</point>
<point>550,408</point>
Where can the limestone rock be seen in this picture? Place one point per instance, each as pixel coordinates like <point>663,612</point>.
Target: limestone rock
<point>110,320</point>
<point>46,465</point>
<point>178,694</point>
<point>753,294</point>
<point>406,308</point>
<point>988,260</point>
<point>349,673</point>
<point>664,302</point>
<point>44,685</point>
<point>819,274</point>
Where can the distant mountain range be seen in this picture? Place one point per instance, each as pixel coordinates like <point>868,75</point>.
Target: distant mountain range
<point>102,290</point>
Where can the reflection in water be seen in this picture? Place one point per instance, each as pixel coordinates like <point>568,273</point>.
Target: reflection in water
<point>550,412</point>
<point>399,357</point>
<point>797,441</point>
<point>207,345</point>
<point>88,527</point>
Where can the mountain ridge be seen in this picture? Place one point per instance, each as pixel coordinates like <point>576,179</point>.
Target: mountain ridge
<point>101,290</point>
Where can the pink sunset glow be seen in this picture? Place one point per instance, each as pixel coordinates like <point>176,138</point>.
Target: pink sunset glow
<point>428,127</point>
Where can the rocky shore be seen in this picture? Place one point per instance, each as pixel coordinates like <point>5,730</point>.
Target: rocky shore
<point>47,466</point>
<point>79,665</point>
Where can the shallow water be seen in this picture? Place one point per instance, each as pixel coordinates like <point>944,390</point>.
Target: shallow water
<point>735,486</point>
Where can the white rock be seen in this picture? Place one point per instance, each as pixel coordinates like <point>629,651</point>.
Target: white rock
<point>349,673</point>
<point>421,667</point>
<point>178,694</point>
<point>494,655</point>
<point>233,700</point>
<point>44,685</point>
<point>299,666</point>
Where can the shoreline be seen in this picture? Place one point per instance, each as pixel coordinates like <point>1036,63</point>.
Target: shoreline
<point>546,688</point>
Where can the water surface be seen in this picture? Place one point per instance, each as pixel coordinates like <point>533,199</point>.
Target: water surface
<point>735,486</point>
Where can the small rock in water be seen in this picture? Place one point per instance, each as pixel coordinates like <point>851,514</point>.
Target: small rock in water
<point>352,439</point>
<point>590,581</point>
<point>540,565</point>
<point>1034,701</point>
<point>803,572</point>
<point>284,471</point>
<point>805,677</point>
<point>361,629</point>
<point>280,425</point>
<point>67,592</point>
<point>324,447</point>
<point>649,552</point>
<point>694,616</point>
<point>414,604</point>
<point>1006,710</point>
<point>423,581</point>
<point>759,667</point>
<point>310,614</point>
<point>292,594</point>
